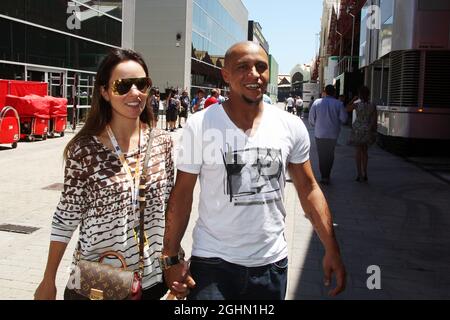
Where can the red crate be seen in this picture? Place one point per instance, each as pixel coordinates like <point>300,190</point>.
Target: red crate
<point>59,125</point>
<point>58,114</point>
<point>9,126</point>
<point>32,127</point>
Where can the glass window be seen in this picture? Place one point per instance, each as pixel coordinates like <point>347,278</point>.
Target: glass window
<point>208,15</point>
<point>386,37</point>
<point>387,20</point>
<point>214,31</point>
<point>53,14</point>
<point>13,72</point>
<point>387,10</point>
<point>33,45</point>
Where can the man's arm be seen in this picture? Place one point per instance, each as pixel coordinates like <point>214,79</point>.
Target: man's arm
<point>343,116</point>
<point>316,208</point>
<point>196,105</point>
<point>351,105</point>
<point>177,219</point>
<point>312,115</point>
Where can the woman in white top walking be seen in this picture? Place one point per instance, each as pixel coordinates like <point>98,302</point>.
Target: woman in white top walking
<point>363,130</point>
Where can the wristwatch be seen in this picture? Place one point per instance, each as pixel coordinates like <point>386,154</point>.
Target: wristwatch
<point>166,262</point>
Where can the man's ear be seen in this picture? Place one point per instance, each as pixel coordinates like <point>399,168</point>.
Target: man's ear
<point>104,93</point>
<point>225,75</point>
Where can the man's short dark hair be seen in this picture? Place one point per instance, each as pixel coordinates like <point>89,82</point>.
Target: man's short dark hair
<point>330,90</point>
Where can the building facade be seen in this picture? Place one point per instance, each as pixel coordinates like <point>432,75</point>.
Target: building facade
<point>255,34</point>
<point>284,87</point>
<point>272,88</point>
<point>58,42</point>
<point>339,50</point>
<point>184,41</point>
<point>328,16</point>
<point>405,55</point>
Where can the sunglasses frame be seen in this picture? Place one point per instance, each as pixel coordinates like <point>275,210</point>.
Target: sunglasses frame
<point>133,81</point>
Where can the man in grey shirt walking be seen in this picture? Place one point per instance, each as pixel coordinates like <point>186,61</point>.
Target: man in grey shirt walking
<point>326,116</point>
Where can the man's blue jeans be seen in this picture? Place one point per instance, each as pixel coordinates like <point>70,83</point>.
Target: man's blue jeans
<point>217,279</point>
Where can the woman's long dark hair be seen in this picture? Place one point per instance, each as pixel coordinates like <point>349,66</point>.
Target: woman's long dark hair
<point>101,114</point>
<point>364,94</point>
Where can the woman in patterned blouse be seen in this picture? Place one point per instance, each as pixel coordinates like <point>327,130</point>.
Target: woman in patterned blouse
<point>364,130</point>
<point>103,162</point>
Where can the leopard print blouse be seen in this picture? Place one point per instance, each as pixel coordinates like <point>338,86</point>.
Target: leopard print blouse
<point>97,197</point>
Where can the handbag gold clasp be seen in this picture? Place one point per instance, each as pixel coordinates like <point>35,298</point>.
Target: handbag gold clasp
<point>96,294</point>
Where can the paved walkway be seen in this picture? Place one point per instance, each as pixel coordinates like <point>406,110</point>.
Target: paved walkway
<point>398,221</point>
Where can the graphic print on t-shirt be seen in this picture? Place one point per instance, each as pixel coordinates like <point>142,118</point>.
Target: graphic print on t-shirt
<point>253,175</point>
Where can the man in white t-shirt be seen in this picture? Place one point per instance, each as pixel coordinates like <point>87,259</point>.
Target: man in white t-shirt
<point>298,106</point>
<point>240,152</point>
<point>267,99</point>
<point>290,104</point>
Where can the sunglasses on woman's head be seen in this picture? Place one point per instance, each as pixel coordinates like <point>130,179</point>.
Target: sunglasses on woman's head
<point>123,86</point>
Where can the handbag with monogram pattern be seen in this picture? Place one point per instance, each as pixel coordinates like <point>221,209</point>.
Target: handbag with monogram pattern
<point>99,281</point>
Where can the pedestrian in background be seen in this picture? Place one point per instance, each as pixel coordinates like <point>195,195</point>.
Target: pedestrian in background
<point>364,130</point>
<point>199,101</point>
<point>184,107</point>
<point>213,98</point>
<point>104,162</point>
<point>239,248</point>
<point>267,99</point>
<point>221,98</point>
<point>173,105</point>
<point>326,116</point>
<point>153,101</point>
<point>299,106</point>
<point>290,102</point>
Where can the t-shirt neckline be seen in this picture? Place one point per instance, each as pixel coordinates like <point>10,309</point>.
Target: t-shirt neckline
<point>242,132</point>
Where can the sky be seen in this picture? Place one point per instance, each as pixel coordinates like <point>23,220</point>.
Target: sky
<point>290,27</point>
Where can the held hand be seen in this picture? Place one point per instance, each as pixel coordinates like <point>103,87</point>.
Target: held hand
<point>179,280</point>
<point>332,263</point>
<point>45,291</point>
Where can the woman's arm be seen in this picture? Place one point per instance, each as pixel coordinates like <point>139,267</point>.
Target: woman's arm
<point>351,105</point>
<point>66,219</point>
<point>47,288</point>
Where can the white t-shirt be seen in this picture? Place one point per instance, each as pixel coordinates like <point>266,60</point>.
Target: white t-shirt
<point>298,102</point>
<point>290,102</point>
<point>242,180</point>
